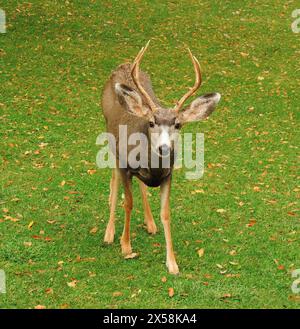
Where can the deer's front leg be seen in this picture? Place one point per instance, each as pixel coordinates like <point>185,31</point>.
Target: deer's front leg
<point>125,239</point>
<point>110,229</point>
<point>166,220</point>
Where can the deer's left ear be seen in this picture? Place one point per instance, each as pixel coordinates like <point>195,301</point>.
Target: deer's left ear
<point>200,108</point>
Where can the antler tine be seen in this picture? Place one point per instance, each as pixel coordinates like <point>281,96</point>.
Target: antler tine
<point>135,73</point>
<point>198,81</point>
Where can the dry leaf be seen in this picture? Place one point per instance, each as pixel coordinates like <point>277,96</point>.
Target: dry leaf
<point>94,230</point>
<point>200,252</point>
<point>221,211</point>
<point>64,306</point>
<point>163,279</point>
<point>40,307</point>
<point>251,223</point>
<point>171,292</point>
<point>230,275</point>
<point>72,284</point>
<point>117,294</point>
<point>91,171</point>
<point>49,291</point>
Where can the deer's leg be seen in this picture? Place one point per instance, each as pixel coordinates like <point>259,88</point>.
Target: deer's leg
<point>125,239</point>
<point>165,217</point>
<point>149,221</point>
<point>113,196</point>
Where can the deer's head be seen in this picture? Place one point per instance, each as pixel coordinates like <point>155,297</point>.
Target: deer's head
<point>164,123</point>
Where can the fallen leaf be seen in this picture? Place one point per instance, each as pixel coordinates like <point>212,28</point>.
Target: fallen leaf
<point>221,211</point>
<point>12,219</point>
<point>49,291</point>
<point>163,279</point>
<point>251,223</point>
<point>171,292</point>
<point>27,244</point>
<point>94,230</point>
<point>226,296</point>
<point>30,224</point>
<point>72,284</point>
<point>117,294</point>
<point>64,306</point>
<point>200,252</point>
<point>40,307</point>
<point>91,171</point>
<point>280,267</point>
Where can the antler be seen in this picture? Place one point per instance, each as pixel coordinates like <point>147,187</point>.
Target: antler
<point>135,73</point>
<point>198,80</point>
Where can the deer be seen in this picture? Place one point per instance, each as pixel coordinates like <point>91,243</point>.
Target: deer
<point>128,99</point>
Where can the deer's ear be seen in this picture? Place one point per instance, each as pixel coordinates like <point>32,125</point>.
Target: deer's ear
<point>200,108</point>
<point>131,99</point>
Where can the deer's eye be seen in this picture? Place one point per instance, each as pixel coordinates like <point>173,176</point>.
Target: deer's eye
<point>151,124</point>
<point>177,125</point>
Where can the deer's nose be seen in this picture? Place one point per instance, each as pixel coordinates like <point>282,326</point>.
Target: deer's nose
<point>164,150</point>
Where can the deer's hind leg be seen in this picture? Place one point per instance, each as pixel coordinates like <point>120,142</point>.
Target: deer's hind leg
<point>113,196</point>
<point>149,221</point>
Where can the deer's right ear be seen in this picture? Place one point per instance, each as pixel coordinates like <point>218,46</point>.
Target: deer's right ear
<point>131,99</point>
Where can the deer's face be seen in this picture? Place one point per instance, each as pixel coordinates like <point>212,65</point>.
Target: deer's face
<point>164,124</point>
<point>163,128</point>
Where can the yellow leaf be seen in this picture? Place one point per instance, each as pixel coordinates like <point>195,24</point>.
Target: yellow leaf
<point>30,225</point>
<point>200,252</point>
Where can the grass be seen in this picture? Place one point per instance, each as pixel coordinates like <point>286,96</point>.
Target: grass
<point>54,61</point>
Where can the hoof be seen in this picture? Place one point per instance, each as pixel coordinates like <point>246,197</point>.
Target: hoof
<point>173,268</point>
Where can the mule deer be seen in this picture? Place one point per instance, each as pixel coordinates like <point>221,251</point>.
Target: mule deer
<point>128,99</point>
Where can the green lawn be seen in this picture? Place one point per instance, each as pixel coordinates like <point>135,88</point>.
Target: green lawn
<point>54,61</point>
